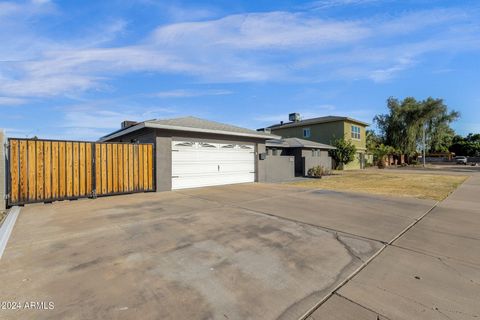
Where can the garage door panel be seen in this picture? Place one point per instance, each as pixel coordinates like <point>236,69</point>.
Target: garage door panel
<point>213,156</point>
<point>212,168</point>
<point>199,164</point>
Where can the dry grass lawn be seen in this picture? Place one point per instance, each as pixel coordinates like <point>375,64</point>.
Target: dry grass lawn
<point>418,185</point>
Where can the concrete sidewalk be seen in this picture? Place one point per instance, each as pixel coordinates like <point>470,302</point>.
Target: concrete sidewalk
<point>431,272</point>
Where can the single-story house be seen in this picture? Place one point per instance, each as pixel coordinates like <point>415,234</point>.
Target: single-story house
<point>307,154</point>
<point>192,152</point>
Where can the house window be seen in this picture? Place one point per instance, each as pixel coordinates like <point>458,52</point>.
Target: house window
<point>306,133</point>
<point>356,132</point>
<point>315,152</point>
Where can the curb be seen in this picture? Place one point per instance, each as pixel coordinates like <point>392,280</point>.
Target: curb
<point>7,227</point>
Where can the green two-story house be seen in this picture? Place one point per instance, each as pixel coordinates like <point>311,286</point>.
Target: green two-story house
<point>326,130</point>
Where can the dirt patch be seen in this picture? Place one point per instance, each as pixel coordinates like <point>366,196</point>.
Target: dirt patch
<point>418,185</point>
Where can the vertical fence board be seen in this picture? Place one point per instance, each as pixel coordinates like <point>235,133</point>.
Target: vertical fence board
<point>76,170</point>
<point>130,168</point>
<point>109,169</point>
<point>120,167</point>
<point>32,180</point>
<point>150,166</point>
<point>125,168</point>
<point>14,171</point>
<point>69,168</point>
<point>81,157</point>
<point>88,169</point>
<point>115,167</point>
<point>47,157</point>
<point>98,168</point>
<point>23,171</point>
<point>140,167</point>
<point>135,168</point>
<point>145,167</point>
<point>55,171</point>
<point>104,169</point>
<point>62,160</point>
<point>39,169</point>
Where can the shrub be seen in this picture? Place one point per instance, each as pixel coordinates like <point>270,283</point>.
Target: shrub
<point>318,171</point>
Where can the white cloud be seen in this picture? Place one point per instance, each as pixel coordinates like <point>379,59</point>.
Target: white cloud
<point>8,101</point>
<point>275,30</point>
<point>270,46</point>
<point>325,4</point>
<point>183,93</point>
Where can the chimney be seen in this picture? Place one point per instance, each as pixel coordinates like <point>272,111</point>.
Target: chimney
<point>294,117</point>
<point>128,123</point>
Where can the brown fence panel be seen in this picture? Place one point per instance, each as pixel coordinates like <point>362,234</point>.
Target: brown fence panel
<point>124,168</point>
<point>48,170</point>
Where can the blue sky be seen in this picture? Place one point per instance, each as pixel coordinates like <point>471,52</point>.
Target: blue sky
<point>76,69</point>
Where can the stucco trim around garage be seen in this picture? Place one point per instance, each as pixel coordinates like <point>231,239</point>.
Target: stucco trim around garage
<point>156,125</point>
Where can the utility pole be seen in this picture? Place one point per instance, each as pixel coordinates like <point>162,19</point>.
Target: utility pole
<point>424,145</point>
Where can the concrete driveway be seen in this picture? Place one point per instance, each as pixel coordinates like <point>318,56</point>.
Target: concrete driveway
<point>253,251</point>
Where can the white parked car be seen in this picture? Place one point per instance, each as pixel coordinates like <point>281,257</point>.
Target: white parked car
<point>461,160</point>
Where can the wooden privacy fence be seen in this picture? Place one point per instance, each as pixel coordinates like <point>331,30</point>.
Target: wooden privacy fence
<point>49,170</point>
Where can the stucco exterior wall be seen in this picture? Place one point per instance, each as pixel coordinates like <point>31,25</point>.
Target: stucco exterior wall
<point>260,165</point>
<point>310,161</point>
<point>360,144</point>
<point>279,168</point>
<point>163,158</point>
<point>3,168</point>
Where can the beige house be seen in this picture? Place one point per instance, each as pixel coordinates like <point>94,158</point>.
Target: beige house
<point>326,130</point>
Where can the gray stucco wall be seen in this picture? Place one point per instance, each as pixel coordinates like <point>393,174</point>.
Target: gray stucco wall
<point>311,161</point>
<point>163,162</point>
<point>261,165</point>
<point>279,168</point>
<point>2,171</point>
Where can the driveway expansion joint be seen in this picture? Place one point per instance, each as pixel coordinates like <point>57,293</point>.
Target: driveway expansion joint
<point>358,304</point>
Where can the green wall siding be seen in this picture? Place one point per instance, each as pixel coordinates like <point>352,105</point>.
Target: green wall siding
<point>360,144</point>
<point>323,133</point>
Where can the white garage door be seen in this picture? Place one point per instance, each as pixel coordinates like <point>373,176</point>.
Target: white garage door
<point>200,164</point>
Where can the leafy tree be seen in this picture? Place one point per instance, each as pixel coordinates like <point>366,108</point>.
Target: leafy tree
<point>402,127</point>
<point>466,146</point>
<point>380,152</point>
<point>373,141</point>
<point>344,152</point>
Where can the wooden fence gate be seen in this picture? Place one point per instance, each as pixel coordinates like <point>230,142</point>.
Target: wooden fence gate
<point>50,170</point>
